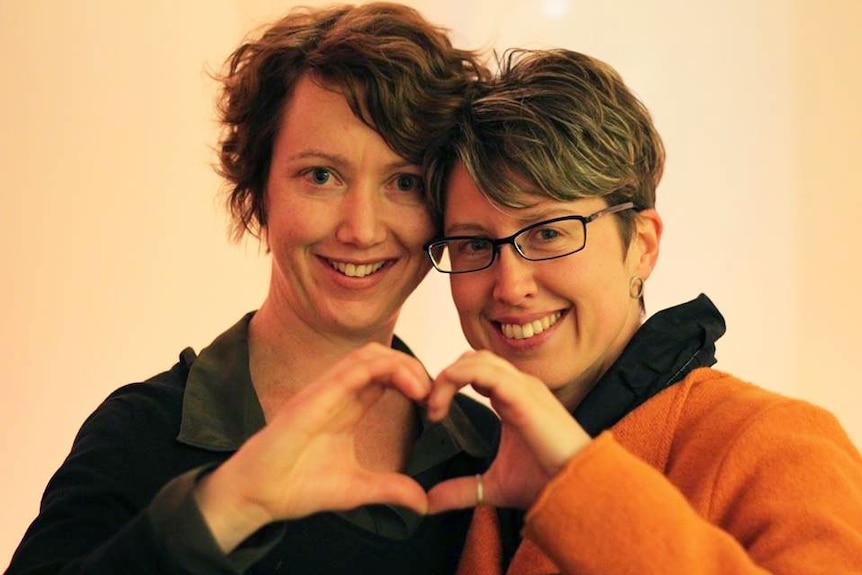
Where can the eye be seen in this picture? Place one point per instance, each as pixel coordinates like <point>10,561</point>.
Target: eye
<point>551,239</point>
<point>547,234</point>
<point>471,246</point>
<point>550,234</point>
<point>319,176</point>
<point>479,245</point>
<point>408,183</point>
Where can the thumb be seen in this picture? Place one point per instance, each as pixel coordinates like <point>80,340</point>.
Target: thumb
<point>391,489</point>
<point>458,493</point>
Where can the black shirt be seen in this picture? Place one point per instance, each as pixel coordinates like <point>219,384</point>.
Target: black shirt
<point>122,501</point>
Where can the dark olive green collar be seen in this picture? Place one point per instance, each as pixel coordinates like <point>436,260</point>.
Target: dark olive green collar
<point>221,411</point>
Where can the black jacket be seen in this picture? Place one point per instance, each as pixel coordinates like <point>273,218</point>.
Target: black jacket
<point>121,502</point>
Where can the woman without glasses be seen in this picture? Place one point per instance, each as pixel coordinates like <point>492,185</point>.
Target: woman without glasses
<point>292,443</point>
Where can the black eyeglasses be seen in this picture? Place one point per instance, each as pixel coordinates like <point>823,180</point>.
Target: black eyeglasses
<point>546,240</point>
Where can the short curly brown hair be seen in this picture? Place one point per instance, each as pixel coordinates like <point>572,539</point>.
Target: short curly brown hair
<point>400,74</point>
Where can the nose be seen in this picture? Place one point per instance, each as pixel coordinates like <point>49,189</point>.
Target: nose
<point>362,218</point>
<point>513,277</point>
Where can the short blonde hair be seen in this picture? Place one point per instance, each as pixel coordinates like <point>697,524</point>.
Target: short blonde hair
<point>562,121</point>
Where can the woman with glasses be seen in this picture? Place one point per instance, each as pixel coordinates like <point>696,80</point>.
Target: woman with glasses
<point>623,450</point>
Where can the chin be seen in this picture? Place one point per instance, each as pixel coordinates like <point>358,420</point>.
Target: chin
<point>538,368</point>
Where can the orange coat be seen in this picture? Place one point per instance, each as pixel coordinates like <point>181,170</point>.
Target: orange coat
<point>712,475</point>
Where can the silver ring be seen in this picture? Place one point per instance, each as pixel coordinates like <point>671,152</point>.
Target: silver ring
<point>480,491</point>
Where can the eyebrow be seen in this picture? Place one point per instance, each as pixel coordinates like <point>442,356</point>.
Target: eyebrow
<point>469,228</point>
<point>339,160</point>
<point>465,229</point>
<point>314,153</point>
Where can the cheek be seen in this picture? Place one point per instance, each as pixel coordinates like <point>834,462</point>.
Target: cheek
<point>606,266</point>
<point>466,293</point>
<point>413,226</point>
<point>469,303</point>
<point>292,219</point>
<point>285,235</point>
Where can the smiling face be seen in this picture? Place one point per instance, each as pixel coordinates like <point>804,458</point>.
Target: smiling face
<point>564,320</point>
<point>346,220</point>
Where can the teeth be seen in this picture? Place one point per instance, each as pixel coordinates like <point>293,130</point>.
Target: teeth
<point>535,327</point>
<point>357,271</point>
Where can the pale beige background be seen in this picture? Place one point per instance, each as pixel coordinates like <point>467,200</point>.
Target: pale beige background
<point>114,248</point>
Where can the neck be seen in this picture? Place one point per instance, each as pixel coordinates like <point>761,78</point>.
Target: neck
<point>287,349</point>
<point>286,353</point>
<point>572,394</point>
<point>285,356</point>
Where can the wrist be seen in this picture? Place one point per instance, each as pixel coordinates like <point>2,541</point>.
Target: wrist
<point>230,516</point>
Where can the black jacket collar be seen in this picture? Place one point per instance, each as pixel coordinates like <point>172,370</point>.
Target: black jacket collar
<point>663,351</point>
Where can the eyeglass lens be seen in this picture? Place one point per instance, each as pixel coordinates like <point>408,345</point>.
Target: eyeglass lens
<point>542,241</point>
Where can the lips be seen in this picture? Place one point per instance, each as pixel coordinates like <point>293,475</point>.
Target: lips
<point>530,329</point>
<point>356,270</point>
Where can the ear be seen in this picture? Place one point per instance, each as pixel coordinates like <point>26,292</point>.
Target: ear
<point>264,239</point>
<point>644,247</point>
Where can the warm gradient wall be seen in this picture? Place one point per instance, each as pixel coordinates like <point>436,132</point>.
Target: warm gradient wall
<point>115,254</point>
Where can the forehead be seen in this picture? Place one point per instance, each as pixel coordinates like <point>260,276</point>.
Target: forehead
<point>318,120</point>
<point>313,103</point>
<point>467,208</point>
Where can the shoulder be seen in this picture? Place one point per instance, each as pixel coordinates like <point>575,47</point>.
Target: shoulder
<point>146,406</point>
<point>126,448</point>
<point>726,401</point>
<point>711,412</point>
<point>729,427</point>
<point>708,395</point>
<point>745,446</point>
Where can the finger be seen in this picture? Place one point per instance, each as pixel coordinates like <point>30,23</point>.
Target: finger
<point>439,400</point>
<point>387,489</point>
<point>488,374</point>
<point>511,391</point>
<point>444,387</point>
<point>458,493</point>
<point>526,404</point>
<point>411,379</point>
<point>368,367</point>
<point>377,364</point>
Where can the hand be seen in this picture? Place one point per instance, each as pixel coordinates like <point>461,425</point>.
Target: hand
<point>538,435</point>
<point>304,460</point>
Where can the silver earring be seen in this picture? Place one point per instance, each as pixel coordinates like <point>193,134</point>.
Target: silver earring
<point>636,287</point>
